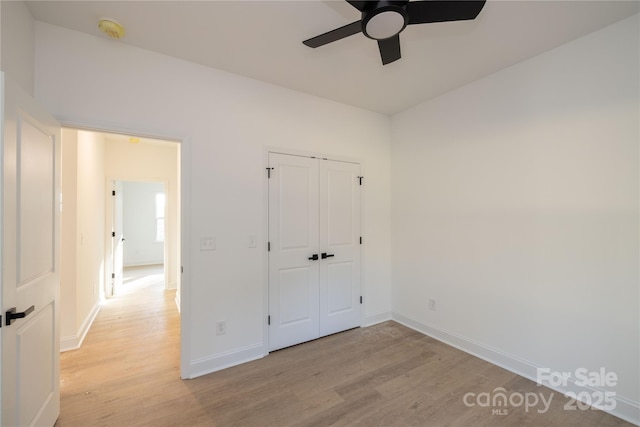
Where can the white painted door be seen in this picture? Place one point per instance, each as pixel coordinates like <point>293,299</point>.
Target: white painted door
<point>293,239</point>
<point>30,262</point>
<point>340,246</point>
<point>314,256</point>
<point>117,238</point>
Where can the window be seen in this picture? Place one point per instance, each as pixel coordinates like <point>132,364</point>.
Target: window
<point>160,204</point>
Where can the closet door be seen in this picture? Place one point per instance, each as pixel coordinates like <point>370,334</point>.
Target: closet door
<point>339,246</point>
<point>293,238</point>
<point>314,248</point>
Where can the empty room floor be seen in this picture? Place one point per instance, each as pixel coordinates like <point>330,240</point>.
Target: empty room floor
<point>127,374</point>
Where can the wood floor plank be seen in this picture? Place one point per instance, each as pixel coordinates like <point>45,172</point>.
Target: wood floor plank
<point>127,374</point>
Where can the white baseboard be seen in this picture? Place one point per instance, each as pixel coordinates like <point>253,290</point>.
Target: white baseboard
<point>624,408</point>
<point>207,365</point>
<point>177,300</point>
<point>378,318</point>
<point>143,264</point>
<point>74,342</point>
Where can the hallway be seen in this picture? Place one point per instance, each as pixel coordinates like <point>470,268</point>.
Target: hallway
<point>132,347</point>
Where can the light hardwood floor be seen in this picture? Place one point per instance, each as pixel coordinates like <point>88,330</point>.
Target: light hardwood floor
<point>127,374</point>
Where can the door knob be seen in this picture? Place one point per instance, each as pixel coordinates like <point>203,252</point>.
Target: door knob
<point>314,257</point>
<point>326,255</point>
<point>11,314</point>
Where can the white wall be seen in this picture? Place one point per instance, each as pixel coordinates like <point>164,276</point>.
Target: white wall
<point>515,207</point>
<point>226,121</point>
<point>139,223</point>
<point>150,162</point>
<point>69,332</point>
<point>82,234</point>
<point>17,43</point>
<point>90,220</point>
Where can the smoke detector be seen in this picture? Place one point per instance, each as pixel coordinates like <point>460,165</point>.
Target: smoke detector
<point>111,28</point>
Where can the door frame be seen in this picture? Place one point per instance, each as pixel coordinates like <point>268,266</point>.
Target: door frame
<point>111,205</point>
<point>184,175</point>
<point>265,229</point>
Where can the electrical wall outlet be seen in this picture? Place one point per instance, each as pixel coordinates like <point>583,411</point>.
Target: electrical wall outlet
<point>207,243</point>
<point>432,304</point>
<point>221,327</point>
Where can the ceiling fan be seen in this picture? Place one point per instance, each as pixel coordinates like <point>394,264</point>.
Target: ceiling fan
<point>384,21</point>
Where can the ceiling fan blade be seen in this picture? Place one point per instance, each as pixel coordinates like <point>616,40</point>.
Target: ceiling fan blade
<point>360,5</point>
<point>389,49</point>
<point>333,35</point>
<point>422,12</point>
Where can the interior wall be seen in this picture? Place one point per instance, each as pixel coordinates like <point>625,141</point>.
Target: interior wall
<point>515,208</point>
<point>139,206</point>
<point>227,121</point>
<point>17,43</point>
<point>90,220</point>
<point>68,241</point>
<point>82,234</point>
<point>145,161</point>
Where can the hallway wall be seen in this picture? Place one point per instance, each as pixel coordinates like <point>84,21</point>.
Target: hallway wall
<point>82,274</point>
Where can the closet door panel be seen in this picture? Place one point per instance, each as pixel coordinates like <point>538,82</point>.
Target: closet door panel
<point>293,239</point>
<point>340,242</point>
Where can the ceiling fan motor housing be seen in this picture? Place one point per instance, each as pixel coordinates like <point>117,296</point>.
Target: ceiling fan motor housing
<point>384,19</point>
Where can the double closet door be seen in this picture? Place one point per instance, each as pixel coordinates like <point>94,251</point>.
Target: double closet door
<point>314,248</point>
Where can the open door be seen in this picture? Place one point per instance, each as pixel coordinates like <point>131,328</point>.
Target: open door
<point>117,238</point>
<point>30,261</point>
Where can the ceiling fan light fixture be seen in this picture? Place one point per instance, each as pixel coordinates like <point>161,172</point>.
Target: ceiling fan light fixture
<point>384,24</point>
<point>384,20</point>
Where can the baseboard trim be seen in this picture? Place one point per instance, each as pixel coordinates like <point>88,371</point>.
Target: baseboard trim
<point>74,342</point>
<point>143,264</point>
<point>177,300</point>
<point>218,362</point>
<point>375,319</point>
<point>624,408</point>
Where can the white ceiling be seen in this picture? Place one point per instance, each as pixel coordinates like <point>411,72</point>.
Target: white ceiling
<point>263,40</point>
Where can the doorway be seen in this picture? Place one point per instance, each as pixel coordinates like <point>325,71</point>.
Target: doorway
<point>139,230</point>
<point>92,162</point>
